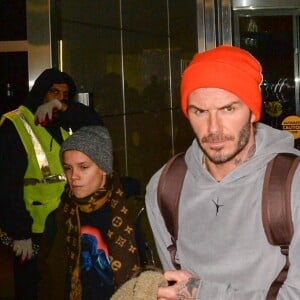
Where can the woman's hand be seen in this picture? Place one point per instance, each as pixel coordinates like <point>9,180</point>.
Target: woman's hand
<point>183,285</point>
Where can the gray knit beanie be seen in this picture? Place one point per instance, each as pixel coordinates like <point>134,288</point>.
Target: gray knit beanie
<point>93,141</point>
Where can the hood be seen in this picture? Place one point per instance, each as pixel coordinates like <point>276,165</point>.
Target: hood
<point>269,142</point>
<point>42,85</point>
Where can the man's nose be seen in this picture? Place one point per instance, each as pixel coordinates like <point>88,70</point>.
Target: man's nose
<point>214,122</point>
<point>61,96</point>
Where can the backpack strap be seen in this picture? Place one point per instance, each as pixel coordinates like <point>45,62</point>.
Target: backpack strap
<point>276,210</point>
<point>276,205</point>
<point>168,195</point>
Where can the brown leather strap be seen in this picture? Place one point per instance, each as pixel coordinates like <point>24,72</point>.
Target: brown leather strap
<point>276,210</point>
<point>276,205</point>
<point>277,283</point>
<point>168,195</point>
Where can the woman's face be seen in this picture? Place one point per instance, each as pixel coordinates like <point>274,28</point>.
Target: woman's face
<point>83,175</point>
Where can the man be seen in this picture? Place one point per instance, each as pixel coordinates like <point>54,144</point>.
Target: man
<point>222,247</point>
<point>31,177</point>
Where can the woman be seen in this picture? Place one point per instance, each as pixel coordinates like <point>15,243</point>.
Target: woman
<point>98,245</point>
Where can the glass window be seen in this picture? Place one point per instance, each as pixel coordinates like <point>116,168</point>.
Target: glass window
<point>127,55</point>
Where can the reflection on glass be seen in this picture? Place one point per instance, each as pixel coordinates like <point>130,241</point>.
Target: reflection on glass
<point>270,38</point>
<point>127,55</point>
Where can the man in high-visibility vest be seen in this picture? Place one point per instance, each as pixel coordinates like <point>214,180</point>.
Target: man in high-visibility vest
<point>31,177</point>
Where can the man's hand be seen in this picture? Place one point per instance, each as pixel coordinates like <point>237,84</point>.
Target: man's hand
<point>184,286</point>
<point>45,112</point>
<point>23,248</point>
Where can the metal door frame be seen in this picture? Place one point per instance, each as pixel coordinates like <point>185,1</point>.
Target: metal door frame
<point>213,23</point>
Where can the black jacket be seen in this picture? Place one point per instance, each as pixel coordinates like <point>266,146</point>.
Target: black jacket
<point>14,218</point>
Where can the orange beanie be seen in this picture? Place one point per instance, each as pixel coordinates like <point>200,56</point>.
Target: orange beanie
<point>225,67</point>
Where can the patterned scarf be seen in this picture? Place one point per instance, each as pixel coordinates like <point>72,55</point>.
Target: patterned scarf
<point>121,243</point>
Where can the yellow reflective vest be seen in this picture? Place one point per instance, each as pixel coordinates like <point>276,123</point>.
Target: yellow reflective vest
<point>44,180</point>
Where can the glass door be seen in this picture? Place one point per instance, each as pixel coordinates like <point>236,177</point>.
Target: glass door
<point>272,36</point>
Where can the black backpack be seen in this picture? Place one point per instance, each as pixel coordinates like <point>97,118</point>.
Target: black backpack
<point>276,205</point>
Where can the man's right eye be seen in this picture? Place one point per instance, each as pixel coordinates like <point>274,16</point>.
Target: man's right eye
<point>196,111</point>
<point>54,91</point>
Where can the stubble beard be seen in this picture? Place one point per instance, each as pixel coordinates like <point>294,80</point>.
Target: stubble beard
<point>219,157</point>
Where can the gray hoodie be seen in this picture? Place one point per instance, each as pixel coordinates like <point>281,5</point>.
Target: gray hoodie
<point>228,248</point>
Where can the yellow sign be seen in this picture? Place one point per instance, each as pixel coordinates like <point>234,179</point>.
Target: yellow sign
<point>274,108</point>
<point>292,124</point>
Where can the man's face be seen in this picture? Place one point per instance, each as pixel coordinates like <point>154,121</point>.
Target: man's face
<point>223,124</point>
<point>59,91</point>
